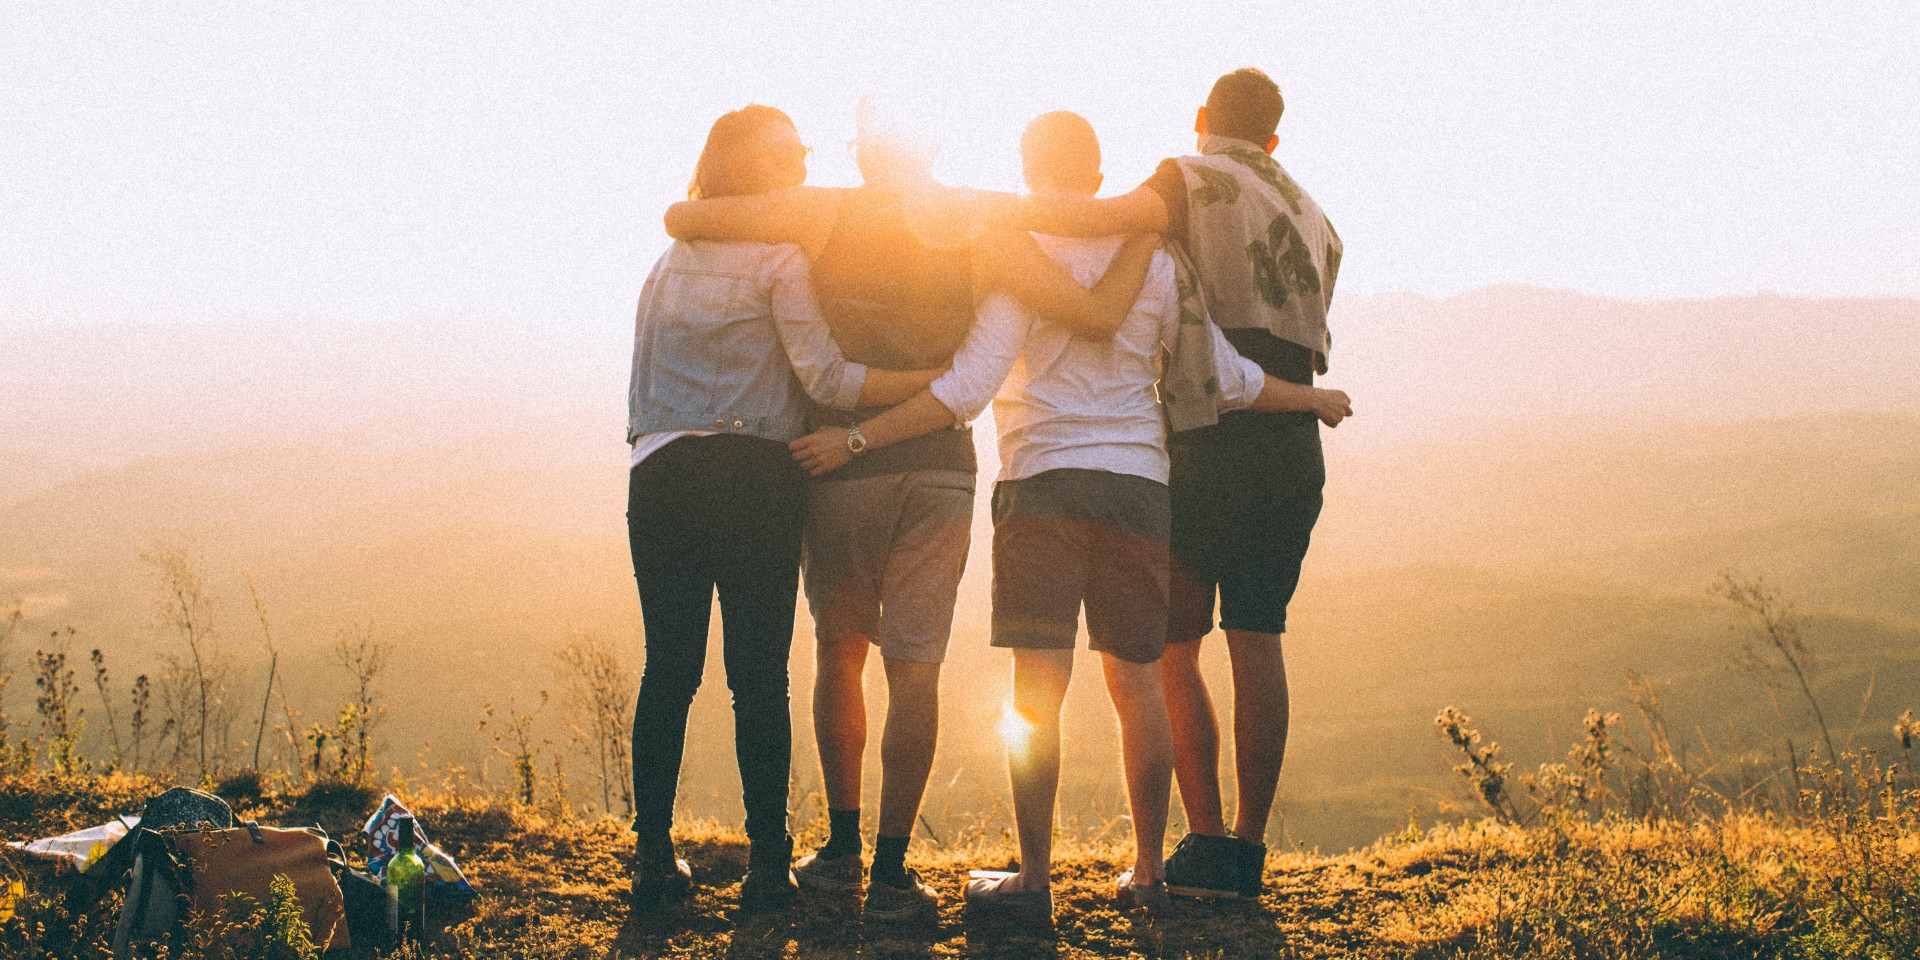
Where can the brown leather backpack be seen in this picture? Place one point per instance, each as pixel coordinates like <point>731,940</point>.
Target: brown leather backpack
<point>202,870</point>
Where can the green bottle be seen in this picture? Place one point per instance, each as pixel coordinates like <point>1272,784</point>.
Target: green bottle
<point>407,878</point>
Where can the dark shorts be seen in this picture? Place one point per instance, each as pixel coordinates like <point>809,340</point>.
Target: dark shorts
<point>1067,537</point>
<point>1246,493</point>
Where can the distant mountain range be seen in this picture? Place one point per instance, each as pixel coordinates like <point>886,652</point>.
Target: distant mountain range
<point>88,397</point>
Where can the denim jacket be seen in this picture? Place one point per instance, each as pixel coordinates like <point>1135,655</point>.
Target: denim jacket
<point>729,339</point>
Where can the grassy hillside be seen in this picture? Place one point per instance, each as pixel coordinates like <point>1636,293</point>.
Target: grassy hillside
<point>1525,577</point>
<point>1840,884</point>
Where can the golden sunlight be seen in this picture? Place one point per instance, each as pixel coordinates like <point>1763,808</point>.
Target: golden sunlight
<point>1015,730</point>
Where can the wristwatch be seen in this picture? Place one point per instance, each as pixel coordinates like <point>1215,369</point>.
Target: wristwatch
<point>856,441</point>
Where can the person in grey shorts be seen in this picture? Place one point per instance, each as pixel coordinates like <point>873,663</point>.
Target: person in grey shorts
<point>1081,514</point>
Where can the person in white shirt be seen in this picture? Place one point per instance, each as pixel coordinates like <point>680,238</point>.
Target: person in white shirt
<point>1081,513</point>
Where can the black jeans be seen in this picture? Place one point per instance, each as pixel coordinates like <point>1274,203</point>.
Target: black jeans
<point>721,512</point>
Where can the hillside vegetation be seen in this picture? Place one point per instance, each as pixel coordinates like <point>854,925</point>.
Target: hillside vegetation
<point>1841,880</point>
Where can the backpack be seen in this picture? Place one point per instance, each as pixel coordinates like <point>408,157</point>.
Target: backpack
<point>177,871</point>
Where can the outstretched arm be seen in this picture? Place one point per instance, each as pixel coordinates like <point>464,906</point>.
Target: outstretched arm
<point>1071,215</point>
<point>884,388</point>
<point>1331,406</point>
<point>825,449</point>
<point>957,396</point>
<point>1010,261</point>
<point>1242,385</point>
<point>802,215</point>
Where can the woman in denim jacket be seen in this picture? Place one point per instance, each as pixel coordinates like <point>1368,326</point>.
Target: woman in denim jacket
<point>728,346</point>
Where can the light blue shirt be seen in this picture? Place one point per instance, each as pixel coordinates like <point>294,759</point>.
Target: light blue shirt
<point>729,339</point>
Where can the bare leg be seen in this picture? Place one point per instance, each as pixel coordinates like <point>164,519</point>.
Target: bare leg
<point>1039,687</point>
<point>1146,748</point>
<point>907,746</point>
<point>1196,738</point>
<point>840,717</point>
<point>1260,717</point>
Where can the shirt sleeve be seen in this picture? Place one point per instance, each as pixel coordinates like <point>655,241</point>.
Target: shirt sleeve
<point>825,373</point>
<point>982,363</point>
<point>1240,380</point>
<point>1171,184</point>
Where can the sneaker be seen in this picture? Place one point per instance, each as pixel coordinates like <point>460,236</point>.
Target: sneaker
<point>915,901</point>
<point>822,875</point>
<point>1151,897</point>
<point>658,876</point>
<point>987,892</point>
<point>1253,868</point>
<point>1206,866</point>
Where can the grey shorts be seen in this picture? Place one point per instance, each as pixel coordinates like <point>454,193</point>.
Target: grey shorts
<point>884,556</point>
<point>1067,537</point>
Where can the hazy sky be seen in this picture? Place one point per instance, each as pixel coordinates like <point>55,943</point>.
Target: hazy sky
<point>394,161</point>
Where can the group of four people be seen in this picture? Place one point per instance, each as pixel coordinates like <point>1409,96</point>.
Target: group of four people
<point>802,359</point>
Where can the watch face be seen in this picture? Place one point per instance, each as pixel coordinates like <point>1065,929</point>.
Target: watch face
<point>856,442</point>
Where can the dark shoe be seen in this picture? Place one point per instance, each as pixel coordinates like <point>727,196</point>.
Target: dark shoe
<point>915,901</point>
<point>767,891</point>
<point>987,893</point>
<point>658,876</point>
<point>1206,866</point>
<point>821,875</point>
<point>1253,868</point>
<point>1151,897</point>
<point>769,884</point>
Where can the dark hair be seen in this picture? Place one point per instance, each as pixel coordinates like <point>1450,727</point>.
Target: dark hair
<point>726,167</point>
<point>1245,105</point>
<point>1062,149</point>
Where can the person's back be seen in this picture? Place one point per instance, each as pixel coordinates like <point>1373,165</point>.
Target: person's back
<point>1259,244</point>
<point>895,301</point>
<point>1089,402</point>
<point>706,353</point>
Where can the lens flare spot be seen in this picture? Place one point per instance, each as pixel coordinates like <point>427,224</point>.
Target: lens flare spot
<point>1015,730</point>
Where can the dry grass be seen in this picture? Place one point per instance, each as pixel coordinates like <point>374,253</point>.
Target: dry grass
<point>1741,887</point>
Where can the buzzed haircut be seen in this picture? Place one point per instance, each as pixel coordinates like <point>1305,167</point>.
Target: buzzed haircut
<point>1245,105</point>
<point>1061,149</point>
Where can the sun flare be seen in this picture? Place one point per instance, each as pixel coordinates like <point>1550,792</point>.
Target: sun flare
<point>1015,730</point>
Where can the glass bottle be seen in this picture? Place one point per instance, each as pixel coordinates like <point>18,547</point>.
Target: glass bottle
<point>407,878</point>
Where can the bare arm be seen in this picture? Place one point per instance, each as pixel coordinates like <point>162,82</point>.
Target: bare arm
<point>1066,215</point>
<point>1277,395</point>
<point>956,396</point>
<point>802,215</point>
<point>1010,261</point>
<point>884,388</point>
<point>825,449</point>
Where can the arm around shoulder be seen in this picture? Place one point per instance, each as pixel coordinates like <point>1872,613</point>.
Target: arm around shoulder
<point>1012,262</point>
<point>802,215</point>
<point>1066,215</point>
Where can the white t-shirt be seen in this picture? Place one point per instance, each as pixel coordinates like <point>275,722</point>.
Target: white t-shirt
<point>645,444</point>
<point>1065,401</point>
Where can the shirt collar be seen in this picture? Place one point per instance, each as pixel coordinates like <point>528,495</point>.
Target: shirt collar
<point>1213,143</point>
